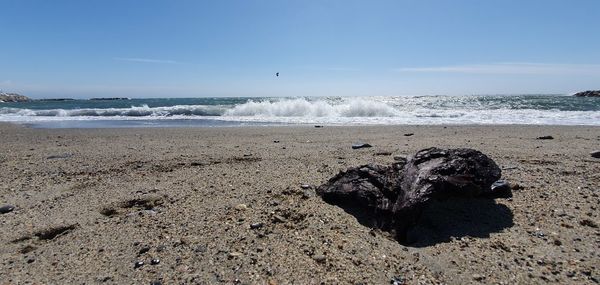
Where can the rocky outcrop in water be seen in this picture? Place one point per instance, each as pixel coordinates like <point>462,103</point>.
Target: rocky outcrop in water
<point>55,99</point>
<point>13,97</point>
<point>109,99</point>
<point>393,197</point>
<point>589,93</point>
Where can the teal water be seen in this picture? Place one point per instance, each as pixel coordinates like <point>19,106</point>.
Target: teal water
<point>536,102</point>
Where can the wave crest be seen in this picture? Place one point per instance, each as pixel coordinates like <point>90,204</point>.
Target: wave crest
<point>133,111</point>
<point>306,108</point>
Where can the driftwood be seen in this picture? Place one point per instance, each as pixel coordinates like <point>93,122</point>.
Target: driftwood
<point>393,197</point>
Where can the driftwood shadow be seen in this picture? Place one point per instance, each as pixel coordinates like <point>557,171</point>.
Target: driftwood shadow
<point>457,218</point>
<point>441,221</point>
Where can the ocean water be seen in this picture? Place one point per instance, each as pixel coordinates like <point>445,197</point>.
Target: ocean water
<point>211,112</point>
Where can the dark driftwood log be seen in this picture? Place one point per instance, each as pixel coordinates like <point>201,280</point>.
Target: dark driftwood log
<point>393,197</point>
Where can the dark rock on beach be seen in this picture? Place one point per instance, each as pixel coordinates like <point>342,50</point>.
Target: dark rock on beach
<point>6,209</point>
<point>360,145</point>
<point>589,223</point>
<point>501,189</point>
<point>397,280</point>
<point>393,197</point>
<point>595,154</point>
<point>545,138</point>
<point>256,225</point>
<point>138,264</point>
<point>588,93</point>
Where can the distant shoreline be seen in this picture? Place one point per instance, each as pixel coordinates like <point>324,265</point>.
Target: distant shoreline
<point>109,99</point>
<point>589,93</point>
<point>17,98</point>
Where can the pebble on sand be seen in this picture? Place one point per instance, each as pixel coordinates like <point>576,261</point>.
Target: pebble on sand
<point>138,264</point>
<point>397,280</point>
<point>588,223</point>
<point>144,250</point>
<point>545,138</point>
<point>595,154</point>
<point>256,225</point>
<point>501,186</point>
<point>234,254</point>
<point>319,258</point>
<point>307,194</point>
<point>360,145</point>
<point>279,219</point>
<point>400,158</point>
<point>241,207</point>
<point>6,209</point>
<point>478,277</point>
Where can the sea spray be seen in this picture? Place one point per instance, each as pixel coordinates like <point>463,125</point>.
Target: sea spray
<point>320,108</point>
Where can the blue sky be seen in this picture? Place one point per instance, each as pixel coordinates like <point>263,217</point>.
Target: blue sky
<point>180,48</point>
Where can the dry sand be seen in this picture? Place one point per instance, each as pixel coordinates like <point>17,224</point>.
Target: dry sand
<point>90,203</point>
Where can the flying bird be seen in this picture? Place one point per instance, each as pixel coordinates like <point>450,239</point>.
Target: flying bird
<point>277,74</point>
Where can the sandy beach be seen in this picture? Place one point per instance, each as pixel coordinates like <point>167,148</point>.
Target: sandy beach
<point>225,205</point>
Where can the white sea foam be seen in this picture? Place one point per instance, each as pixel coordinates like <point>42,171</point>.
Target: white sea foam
<point>133,111</point>
<point>319,108</point>
<point>439,117</point>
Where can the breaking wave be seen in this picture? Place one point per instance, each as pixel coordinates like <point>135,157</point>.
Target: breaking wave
<point>133,111</point>
<point>320,108</point>
<point>281,108</point>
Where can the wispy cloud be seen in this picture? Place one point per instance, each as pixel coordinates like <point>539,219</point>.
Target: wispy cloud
<point>146,60</point>
<point>511,68</point>
<point>329,68</point>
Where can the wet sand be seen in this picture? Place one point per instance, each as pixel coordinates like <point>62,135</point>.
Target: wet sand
<point>90,203</point>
